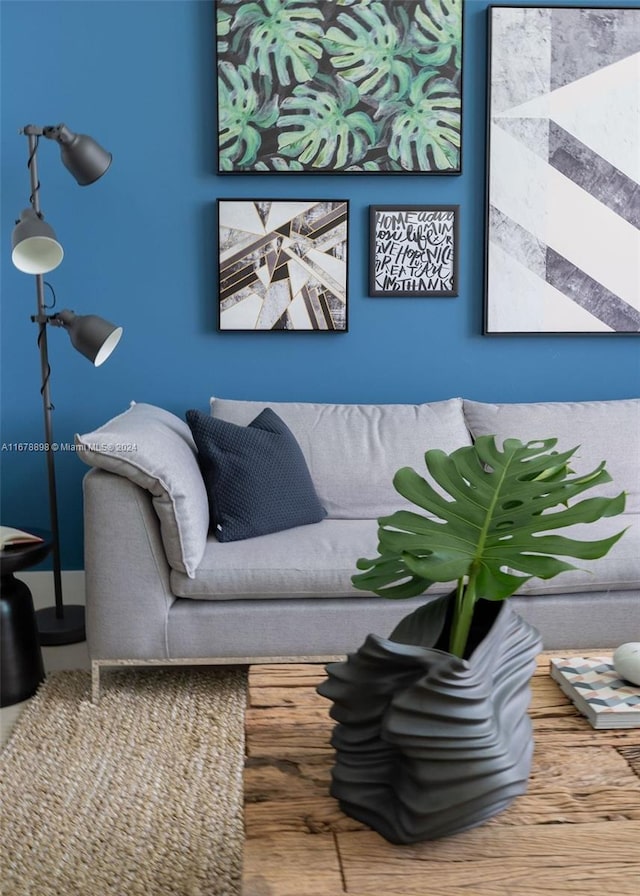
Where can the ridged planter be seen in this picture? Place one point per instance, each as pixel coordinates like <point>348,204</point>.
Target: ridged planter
<point>428,744</point>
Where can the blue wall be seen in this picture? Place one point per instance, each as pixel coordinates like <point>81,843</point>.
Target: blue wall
<point>138,75</point>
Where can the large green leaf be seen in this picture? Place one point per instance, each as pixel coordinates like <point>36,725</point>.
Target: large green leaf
<point>241,116</point>
<point>388,576</point>
<point>368,48</point>
<point>223,28</point>
<point>491,515</point>
<point>438,33</point>
<point>317,127</point>
<point>283,36</point>
<point>276,163</point>
<point>425,131</point>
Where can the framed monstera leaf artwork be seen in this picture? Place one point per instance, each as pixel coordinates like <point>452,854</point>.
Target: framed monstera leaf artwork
<point>371,86</point>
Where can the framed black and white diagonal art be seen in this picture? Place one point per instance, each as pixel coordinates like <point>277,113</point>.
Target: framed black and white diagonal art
<point>563,192</point>
<point>283,264</point>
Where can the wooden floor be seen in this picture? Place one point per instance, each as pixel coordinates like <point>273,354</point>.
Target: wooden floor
<point>576,831</point>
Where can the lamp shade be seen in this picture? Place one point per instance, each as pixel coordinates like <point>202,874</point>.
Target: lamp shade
<point>93,336</point>
<point>81,155</point>
<point>35,249</point>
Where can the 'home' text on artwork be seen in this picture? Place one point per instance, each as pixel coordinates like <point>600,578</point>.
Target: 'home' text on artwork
<point>414,251</point>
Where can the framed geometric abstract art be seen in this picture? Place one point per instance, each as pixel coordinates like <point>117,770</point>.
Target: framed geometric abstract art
<point>413,250</point>
<point>563,189</point>
<point>283,264</point>
<point>371,86</point>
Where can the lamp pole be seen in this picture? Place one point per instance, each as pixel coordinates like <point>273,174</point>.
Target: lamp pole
<point>36,251</point>
<point>58,624</point>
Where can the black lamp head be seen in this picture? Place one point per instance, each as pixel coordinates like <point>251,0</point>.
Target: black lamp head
<point>81,155</point>
<point>93,336</point>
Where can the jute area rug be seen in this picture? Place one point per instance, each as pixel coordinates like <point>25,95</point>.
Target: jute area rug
<point>139,795</point>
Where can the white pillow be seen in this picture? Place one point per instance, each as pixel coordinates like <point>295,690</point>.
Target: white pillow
<point>604,430</point>
<point>155,450</point>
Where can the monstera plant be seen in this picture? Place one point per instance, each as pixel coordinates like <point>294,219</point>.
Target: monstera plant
<point>430,742</point>
<point>488,525</point>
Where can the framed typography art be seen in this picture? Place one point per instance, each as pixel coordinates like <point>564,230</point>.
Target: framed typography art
<point>563,190</point>
<point>413,250</point>
<point>325,86</point>
<point>283,264</point>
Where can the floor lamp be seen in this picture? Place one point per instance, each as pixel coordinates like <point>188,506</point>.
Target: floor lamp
<point>37,251</point>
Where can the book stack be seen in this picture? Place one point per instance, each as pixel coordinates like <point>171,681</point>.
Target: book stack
<point>597,691</point>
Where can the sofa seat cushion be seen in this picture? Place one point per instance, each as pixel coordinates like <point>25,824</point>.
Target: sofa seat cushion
<point>310,561</point>
<point>354,450</point>
<point>319,560</point>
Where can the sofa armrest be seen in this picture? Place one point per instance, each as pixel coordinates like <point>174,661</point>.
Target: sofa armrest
<point>127,574</point>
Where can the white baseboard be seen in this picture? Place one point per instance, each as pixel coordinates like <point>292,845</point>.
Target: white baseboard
<point>41,587</point>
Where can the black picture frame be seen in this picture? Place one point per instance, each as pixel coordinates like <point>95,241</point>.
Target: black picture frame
<point>327,87</point>
<point>413,250</point>
<point>283,264</point>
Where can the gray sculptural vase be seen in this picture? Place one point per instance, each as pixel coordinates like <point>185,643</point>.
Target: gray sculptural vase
<point>428,744</point>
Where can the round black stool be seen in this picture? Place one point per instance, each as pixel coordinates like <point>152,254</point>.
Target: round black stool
<point>21,666</point>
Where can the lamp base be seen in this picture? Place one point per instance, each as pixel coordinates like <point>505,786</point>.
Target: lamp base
<point>52,631</point>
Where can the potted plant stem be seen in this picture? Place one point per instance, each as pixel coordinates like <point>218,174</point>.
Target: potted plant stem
<point>433,735</point>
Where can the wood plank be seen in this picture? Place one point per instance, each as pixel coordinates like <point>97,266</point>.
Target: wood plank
<point>291,796</point>
<point>288,734</point>
<point>569,785</point>
<point>585,859</point>
<point>572,729</point>
<point>320,815</point>
<point>291,675</point>
<point>601,841</point>
<point>591,766</point>
<point>288,698</point>
<point>597,880</point>
<point>291,865</point>
<point>287,796</point>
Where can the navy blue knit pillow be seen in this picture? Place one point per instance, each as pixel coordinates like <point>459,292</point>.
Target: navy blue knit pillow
<point>256,477</point>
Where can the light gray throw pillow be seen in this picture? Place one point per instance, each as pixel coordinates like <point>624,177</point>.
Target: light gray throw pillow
<point>603,430</point>
<point>155,450</point>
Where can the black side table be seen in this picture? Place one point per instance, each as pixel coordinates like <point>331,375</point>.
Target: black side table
<point>21,666</point>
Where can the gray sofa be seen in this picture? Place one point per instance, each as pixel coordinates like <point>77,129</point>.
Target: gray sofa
<point>161,588</point>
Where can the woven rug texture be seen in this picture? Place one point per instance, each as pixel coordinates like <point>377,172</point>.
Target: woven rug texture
<point>138,795</point>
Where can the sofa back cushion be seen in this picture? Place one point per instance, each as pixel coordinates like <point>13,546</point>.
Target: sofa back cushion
<point>603,430</point>
<point>155,450</point>
<point>354,450</point>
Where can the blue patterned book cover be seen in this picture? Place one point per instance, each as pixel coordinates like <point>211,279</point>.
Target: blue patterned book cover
<point>597,691</point>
